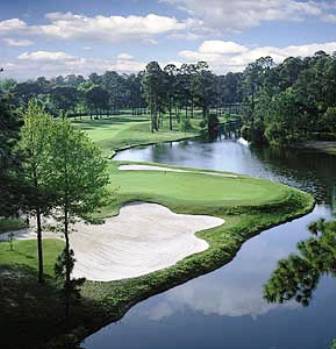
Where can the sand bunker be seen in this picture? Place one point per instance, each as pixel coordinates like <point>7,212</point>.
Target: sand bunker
<point>142,239</point>
<point>169,169</point>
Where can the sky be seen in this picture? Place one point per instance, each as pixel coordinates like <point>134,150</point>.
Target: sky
<point>59,37</point>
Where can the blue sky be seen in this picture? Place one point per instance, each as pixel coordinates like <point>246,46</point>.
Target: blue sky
<point>62,37</point>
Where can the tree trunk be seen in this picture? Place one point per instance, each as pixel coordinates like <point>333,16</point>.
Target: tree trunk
<point>39,247</point>
<point>67,265</point>
<point>170,116</point>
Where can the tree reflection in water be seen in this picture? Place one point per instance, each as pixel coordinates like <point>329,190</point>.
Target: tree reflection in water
<point>297,276</point>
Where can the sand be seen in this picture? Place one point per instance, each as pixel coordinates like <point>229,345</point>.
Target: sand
<point>142,239</point>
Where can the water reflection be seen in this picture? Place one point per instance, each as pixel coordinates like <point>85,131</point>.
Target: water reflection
<point>226,308</point>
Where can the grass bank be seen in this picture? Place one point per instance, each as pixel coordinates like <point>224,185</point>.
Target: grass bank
<point>247,205</point>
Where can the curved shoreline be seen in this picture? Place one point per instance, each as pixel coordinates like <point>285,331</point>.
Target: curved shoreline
<point>131,146</point>
<point>185,270</point>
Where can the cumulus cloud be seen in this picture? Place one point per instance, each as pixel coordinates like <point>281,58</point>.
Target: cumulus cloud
<point>12,25</point>
<point>228,56</point>
<point>228,15</point>
<point>17,42</point>
<point>46,56</point>
<point>53,63</point>
<point>69,26</point>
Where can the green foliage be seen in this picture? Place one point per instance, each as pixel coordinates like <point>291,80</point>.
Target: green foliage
<point>79,173</point>
<point>79,176</point>
<point>329,120</point>
<point>34,146</point>
<point>291,102</point>
<point>71,290</point>
<point>185,125</point>
<point>10,184</point>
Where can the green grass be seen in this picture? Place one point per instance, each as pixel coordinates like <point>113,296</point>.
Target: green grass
<point>192,192</point>
<point>120,132</point>
<point>247,205</point>
<point>25,253</point>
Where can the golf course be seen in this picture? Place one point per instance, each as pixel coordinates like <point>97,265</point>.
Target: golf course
<point>222,209</point>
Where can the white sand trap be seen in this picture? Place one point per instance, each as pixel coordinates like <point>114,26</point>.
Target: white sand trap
<point>142,239</point>
<point>135,167</point>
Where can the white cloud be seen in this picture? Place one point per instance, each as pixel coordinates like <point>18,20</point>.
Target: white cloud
<point>53,63</point>
<point>12,25</point>
<point>221,47</point>
<point>228,56</point>
<point>46,56</point>
<point>17,42</point>
<point>125,56</point>
<point>228,15</point>
<point>69,26</point>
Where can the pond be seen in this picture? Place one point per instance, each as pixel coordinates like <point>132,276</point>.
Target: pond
<point>225,308</point>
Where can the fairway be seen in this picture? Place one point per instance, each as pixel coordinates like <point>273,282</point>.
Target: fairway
<point>118,132</point>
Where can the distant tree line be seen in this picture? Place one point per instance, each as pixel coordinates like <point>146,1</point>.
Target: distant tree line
<point>279,104</point>
<point>290,102</point>
<point>155,90</point>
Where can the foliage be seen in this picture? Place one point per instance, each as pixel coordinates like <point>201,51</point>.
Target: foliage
<point>71,290</point>
<point>79,175</point>
<point>37,172</point>
<point>291,102</point>
<point>10,184</point>
<point>185,125</point>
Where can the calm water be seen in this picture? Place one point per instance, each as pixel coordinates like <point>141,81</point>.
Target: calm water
<point>225,309</point>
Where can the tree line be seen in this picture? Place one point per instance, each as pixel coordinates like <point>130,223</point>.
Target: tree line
<point>291,102</point>
<point>172,90</point>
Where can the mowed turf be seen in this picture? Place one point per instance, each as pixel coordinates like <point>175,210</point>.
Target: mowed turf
<point>196,189</point>
<point>118,132</point>
<point>25,253</point>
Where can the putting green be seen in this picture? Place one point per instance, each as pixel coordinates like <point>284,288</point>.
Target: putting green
<point>196,188</point>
